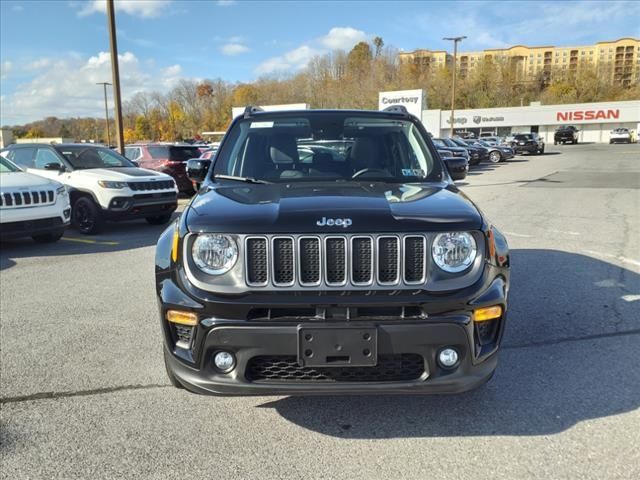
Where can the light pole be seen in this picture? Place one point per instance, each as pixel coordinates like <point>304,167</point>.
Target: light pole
<point>455,41</point>
<point>115,71</point>
<point>106,110</point>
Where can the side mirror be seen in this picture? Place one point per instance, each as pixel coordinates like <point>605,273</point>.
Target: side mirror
<point>55,166</point>
<point>457,168</point>
<point>136,164</point>
<point>197,169</point>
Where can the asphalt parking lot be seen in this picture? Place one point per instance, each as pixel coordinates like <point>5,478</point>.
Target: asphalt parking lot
<point>84,393</point>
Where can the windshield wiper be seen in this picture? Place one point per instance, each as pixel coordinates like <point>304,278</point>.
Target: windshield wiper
<point>240,179</point>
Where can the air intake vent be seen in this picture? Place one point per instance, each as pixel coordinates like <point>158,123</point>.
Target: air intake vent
<point>388,260</point>
<point>362,260</point>
<point>414,259</point>
<point>283,269</point>
<point>336,260</point>
<point>257,268</point>
<point>309,261</point>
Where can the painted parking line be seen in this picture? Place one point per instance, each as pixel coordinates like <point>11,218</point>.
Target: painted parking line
<point>86,240</point>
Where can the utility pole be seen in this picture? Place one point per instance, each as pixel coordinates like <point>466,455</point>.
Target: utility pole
<point>106,110</point>
<point>111,19</point>
<point>455,41</point>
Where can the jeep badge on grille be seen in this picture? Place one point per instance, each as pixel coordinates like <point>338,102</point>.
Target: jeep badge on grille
<point>337,222</point>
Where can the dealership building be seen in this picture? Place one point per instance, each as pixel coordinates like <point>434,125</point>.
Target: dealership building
<point>594,120</point>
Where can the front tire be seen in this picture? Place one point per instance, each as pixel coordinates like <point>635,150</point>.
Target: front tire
<point>495,157</point>
<point>160,220</point>
<point>86,216</point>
<point>47,237</point>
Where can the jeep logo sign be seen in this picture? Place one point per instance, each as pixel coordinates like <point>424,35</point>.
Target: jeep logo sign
<point>413,100</point>
<point>334,222</point>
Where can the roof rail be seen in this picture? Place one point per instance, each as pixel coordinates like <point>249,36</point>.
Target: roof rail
<point>397,109</point>
<point>250,109</point>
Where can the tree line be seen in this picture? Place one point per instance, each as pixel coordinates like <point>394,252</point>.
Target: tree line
<point>337,79</point>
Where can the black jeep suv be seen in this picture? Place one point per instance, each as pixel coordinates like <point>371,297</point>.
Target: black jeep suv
<point>330,252</point>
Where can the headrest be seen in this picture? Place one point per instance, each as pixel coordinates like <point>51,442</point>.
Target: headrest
<point>284,149</point>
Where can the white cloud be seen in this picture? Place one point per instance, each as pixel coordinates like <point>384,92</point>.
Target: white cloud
<point>5,68</point>
<point>233,49</point>
<point>342,38</point>
<point>66,86</point>
<point>136,8</point>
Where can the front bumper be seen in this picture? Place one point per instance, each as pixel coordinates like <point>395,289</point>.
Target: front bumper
<point>141,205</point>
<point>225,323</point>
<point>257,341</point>
<point>525,148</point>
<point>30,228</point>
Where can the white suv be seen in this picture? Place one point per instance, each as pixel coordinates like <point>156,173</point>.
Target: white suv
<point>31,206</point>
<point>103,184</point>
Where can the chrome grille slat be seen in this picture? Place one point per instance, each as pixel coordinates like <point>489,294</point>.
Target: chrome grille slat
<point>333,261</point>
<point>25,199</point>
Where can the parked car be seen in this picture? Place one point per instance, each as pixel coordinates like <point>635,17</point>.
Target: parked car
<point>493,140</point>
<point>455,150</point>
<point>31,206</point>
<point>526,143</point>
<point>103,185</point>
<point>458,167</point>
<point>369,272</point>
<point>477,153</point>
<point>497,153</point>
<point>565,134</point>
<point>538,138</point>
<point>165,158</point>
<point>620,135</point>
<point>485,135</point>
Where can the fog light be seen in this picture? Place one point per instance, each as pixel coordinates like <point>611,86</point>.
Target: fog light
<point>447,357</point>
<point>224,361</point>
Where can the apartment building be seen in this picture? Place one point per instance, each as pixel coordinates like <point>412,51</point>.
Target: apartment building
<point>619,59</point>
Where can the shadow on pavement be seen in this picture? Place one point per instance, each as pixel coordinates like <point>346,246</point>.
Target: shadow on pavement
<point>570,354</point>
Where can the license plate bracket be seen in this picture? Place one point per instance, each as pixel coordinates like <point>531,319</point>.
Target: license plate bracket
<point>337,346</point>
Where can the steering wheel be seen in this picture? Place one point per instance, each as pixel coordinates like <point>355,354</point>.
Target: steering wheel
<point>370,170</point>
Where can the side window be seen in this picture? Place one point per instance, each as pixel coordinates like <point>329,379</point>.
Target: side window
<point>45,156</point>
<point>132,153</point>
<point>23,157</point>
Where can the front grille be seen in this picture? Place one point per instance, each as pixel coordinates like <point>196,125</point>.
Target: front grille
<point>23,199</point>
<point>159,185</point>
<point>285,369</point>
<point>335,261</point>
<point>154,196</point>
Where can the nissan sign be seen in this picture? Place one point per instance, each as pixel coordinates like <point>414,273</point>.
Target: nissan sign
<point>413,100</point>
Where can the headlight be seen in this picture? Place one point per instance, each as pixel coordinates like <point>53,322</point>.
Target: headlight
<point>454,251</point>
<point>61,190</point>
<point>214,254</point>
<point>108,184</point>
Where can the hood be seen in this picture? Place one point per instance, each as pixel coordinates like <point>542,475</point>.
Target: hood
<point>297,208</point>
<point>122,174</point>
<point>25,180</point>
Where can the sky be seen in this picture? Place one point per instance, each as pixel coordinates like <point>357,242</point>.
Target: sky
<point>52,53</point>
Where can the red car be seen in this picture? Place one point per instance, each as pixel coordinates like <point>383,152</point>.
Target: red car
<point>165,158</point>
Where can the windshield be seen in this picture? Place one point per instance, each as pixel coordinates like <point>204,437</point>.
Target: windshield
<point>325,146</point>
<point>6,166</point>
<point>81,157</point>
<point>460,143</point>
<point>173,153</point>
